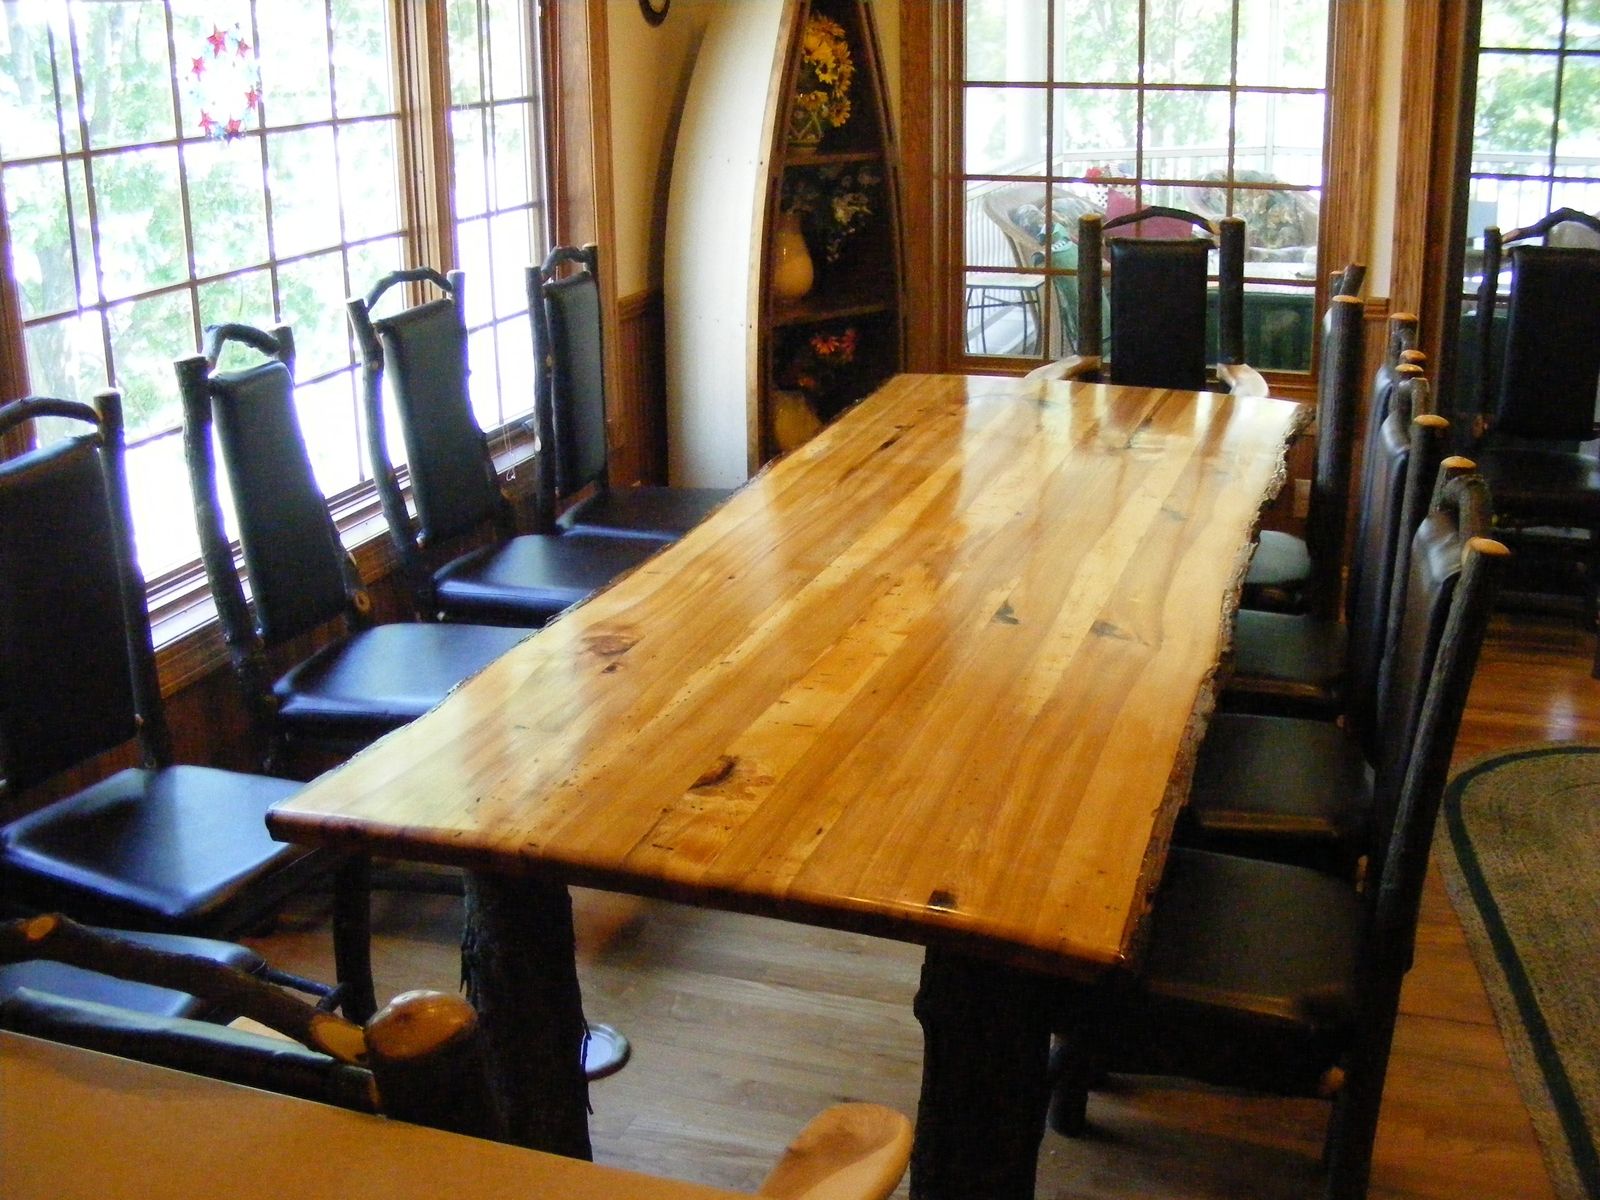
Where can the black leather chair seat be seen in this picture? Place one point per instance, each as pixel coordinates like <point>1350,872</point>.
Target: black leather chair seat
<point>1249,979</point>
<point>1279,574</point>
<point>662,514</point>
<point>1279,777</point>
<point>181,848</point>
<point>1543,482</point>
<point>379,678</point>
<point>1288,664</point>
<point>529,579</point>
<point>79,984</point>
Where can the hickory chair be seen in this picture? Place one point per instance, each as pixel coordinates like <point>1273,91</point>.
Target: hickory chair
<point>419,1059</point>
<point>568,342</point>
<point>1289,574</point>
<point>372,678</point>
<point>1297,789</point>
<point>1283,979</point>
<point>159,846</point>
<point>514,579</point>
<point>1158,306</point>
<point>1536,396</point>
<point>1298,663</point>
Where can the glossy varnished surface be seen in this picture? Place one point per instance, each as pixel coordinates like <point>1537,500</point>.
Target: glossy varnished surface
<point>934,675</point>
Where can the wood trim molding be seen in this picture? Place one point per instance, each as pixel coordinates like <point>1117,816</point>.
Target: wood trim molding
<point>13,350</point>
<point>428,165</point>
<point>929,60</point>
<point>637,416</point>
<point>1352,133</point>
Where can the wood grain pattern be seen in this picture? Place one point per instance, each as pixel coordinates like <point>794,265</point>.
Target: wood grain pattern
<point>936,676</point>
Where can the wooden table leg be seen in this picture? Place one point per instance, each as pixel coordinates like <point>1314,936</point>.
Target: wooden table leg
<point>985,1086</point>
<point>517,963</point>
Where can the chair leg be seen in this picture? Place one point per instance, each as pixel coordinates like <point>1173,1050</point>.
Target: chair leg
<point>1354,1126</point>
<point>1073,1071</point>
<point>1592,583</point>
<point>352,938</point>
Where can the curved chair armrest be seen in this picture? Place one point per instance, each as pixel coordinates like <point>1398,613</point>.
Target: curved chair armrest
<point>1242,379</point>
<point>1075,366</point>
<point>848,1152</point>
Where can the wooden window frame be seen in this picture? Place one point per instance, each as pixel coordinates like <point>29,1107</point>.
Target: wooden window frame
<point>931,84</point>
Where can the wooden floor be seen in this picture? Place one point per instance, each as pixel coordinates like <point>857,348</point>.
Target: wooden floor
<point>743,1028</point>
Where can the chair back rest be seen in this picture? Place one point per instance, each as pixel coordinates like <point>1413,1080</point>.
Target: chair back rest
<point>423,352</point>
<point>569,343</point>
<point>77,674</point>
<point>1400,351</point>
<point>1551,369</point>
<point>1455,570</point>
<point>1395,480</point>
<point>300,574</point>
<point>1427,572</point>
<point>1338,389</point>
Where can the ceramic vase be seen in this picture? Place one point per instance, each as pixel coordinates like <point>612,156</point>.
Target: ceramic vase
<point>792,272</point>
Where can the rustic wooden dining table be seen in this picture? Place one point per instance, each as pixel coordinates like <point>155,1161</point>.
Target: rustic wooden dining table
<point>936,676</point>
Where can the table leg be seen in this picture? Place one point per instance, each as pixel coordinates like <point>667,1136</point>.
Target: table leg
<point>517,963</point>
<point>985,1086</point>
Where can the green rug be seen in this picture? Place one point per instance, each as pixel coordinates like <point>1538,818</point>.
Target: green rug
<point>1524,877</point>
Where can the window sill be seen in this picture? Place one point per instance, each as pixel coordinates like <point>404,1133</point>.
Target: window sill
<point>188,638</point>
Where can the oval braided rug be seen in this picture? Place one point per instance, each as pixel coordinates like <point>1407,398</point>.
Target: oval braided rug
<point>1524,877</point>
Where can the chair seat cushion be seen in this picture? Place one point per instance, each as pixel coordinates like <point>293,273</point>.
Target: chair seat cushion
<point>1259,779</point>
<point>1291,664</point>
<point>1544,483</point>
<point>1279,571</point>
<point>380,678</point>
<point>176,849</point>
<point>1250,976</point>
<point>529,579</point>
<point>78,983</point>
<point>662,514</point>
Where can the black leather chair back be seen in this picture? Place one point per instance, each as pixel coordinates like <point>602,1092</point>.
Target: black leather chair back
<point>1404,459</point>
<point>76,668</point>
<point>300,574</point>
<point>568,340</point>
<point>1158,312</point>
<point>1551,369</point>
<point>452,473</point>
<point>1338,389</point>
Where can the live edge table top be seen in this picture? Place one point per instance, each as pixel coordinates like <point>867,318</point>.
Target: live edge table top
<point>936,676</point>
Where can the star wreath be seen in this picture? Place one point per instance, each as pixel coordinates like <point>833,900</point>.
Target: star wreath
<point>224,83</point>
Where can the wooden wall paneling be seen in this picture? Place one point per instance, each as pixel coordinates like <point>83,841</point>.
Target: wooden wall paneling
<point>638,408</point>
<point>13,351</point>
<point>930,230</point>
<point>1353,130</point>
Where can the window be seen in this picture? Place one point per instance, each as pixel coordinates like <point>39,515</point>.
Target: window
<point>171,164</point>
<point>1072,106</point>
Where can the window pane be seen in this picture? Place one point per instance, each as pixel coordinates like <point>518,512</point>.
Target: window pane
<point>311,294</point>
<point>471,189</point>
<point>1095,133</point>
<point>1585,197</point>
<point>1005,41</point>
<point>509,49</point>
<point>1579,150</point>
<point>1005,130</point>
<point>514,339</point>
<point>41,240</point>
<point>1279,138</point>
<point>140,213</point>
<point>472,253</point>
<point>29,75</point>
<point>146,335</point>
<point>245,298</point>
<point>302,176</point>
<point>1512,124</point>
<point>1185,134</point>
<point>466,51</point>
<point>1583,25</point>
<point>218,71</point>
<point>66,358</point>
<point>362,59</point>
<point>1531,23</point>
<point>1280,225</point>
<point>371,261</point>
<point>512,250</point>
<point>1188,41</point>
<point>1283,43</point>
<point>226,205</point>
<point>370,171</point>
<point>513,156</point>
<point>162,507</point>
<point>294,61</point>
<point>127,81</point>
<point>484,384</point>
<point>1095,43</point>
<point>327,410</point>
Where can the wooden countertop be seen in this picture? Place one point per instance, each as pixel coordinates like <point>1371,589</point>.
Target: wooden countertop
<point>936,675</point>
